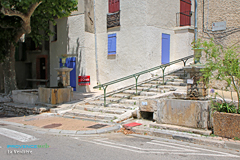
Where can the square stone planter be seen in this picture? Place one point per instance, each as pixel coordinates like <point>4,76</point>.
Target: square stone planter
<point>226,124</point>
<point>55,95</point>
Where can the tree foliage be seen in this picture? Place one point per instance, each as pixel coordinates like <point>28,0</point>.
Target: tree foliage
<point>15,14</point>
<point>222,64</point>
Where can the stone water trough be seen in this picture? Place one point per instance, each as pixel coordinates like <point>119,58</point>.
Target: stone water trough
<point>61,94</point>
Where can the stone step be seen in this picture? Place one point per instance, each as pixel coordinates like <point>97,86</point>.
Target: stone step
<point>122,95</point>
<point>180,128</point>
<point>130,92</point>
<point>102,109</point>
<point>178,80</point>
<point>176,83</point>
<point>148,85</point>
<point>122,106</point>
<point>139,97</point>
<point>118,100</point>
<point>158,90</point>
<point>148,93</point>
<point>92,115</point>
<point>96,102</point>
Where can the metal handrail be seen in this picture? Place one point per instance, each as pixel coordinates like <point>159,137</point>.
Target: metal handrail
<point>136,75</point>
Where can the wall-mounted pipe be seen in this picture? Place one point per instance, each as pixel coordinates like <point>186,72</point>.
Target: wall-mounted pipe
<point>95,33</point>
<point>195,22</point>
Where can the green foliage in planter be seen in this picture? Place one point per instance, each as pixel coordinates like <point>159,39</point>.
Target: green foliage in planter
<point>224,107</point>
<point>222,64</point>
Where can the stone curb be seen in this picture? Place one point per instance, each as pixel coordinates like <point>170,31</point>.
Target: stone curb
<point>186,138</point>
<point>65,132</point>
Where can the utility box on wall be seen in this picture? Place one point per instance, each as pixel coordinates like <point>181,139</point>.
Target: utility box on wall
<point>83,80</point>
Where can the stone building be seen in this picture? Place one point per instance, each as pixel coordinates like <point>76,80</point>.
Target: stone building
<point>110,39</point>
<point>219,19</point>
<point>122,37</point>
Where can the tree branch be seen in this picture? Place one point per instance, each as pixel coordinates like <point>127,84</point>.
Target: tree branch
<point>32,8</point>
<point>9,12</point>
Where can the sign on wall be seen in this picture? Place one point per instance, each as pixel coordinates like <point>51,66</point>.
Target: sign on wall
<point>218,26</point>
<point>83,80</point>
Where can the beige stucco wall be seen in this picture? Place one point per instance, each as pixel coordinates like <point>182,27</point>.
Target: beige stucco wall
<point>70,41</point>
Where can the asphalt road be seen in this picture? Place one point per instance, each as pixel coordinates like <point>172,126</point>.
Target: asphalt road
<point>115,146</point>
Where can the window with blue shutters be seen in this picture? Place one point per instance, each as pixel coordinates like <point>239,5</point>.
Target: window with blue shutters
<point>112,44</point>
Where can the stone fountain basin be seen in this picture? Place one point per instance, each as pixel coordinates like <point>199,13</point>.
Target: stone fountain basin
<point>55,95</point>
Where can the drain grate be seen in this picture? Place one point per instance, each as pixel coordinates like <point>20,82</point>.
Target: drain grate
<point>54,125</point>
<point>97,126</point>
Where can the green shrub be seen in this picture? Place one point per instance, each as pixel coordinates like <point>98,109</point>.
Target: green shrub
<point>224,107</point>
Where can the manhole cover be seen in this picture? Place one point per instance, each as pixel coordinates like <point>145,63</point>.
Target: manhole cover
<point>1,124</point>
<point>97,126</point>
<point>54,125</point>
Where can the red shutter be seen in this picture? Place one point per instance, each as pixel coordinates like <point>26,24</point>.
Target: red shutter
<point>185,10</point>
<point>113,6</point>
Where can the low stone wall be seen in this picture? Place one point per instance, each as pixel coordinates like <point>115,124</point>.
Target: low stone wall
<point>11,109</point>
<point>29,96</point>
<point>188,113</point>
<point>226,124</point>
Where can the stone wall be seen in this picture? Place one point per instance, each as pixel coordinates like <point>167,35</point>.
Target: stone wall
<point>226,124</point>
<point>210,11</point>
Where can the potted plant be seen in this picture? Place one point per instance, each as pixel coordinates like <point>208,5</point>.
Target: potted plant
<point>223,64</point>
<point>197,51</point>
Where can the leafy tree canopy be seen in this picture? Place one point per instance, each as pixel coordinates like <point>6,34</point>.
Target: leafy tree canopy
<point>18,17</point>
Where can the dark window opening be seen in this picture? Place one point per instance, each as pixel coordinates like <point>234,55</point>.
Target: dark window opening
<point>55,33</point>
<point>147,115</point>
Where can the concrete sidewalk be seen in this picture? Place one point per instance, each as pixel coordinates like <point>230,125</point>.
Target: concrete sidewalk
<point>149,128</point>
<point>56,124</point>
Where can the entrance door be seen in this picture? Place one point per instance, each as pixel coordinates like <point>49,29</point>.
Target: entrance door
<point>71,63</point>
<point>165,48</point>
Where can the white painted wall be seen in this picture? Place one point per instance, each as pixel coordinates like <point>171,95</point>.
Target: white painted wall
<point>139,40</point>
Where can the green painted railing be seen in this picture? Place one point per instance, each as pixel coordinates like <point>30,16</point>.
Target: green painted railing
<point>136,75</point>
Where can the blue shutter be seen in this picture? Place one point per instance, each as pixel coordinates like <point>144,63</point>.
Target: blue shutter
<point>112,44</point>
<point>165,48</point>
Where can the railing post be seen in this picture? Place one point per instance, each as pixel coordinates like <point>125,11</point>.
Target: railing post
<point>184,63</point>
<point>163,70</point>
<point>136,78</point>
<point>105,88</point>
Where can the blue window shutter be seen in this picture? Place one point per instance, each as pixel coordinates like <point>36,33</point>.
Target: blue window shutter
<point>112,44</point>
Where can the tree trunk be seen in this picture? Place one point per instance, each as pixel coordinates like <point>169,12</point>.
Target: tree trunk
<point>9,73</point>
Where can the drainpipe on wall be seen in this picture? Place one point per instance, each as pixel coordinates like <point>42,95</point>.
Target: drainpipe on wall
<point>195,23</point>
<point>95,33</point>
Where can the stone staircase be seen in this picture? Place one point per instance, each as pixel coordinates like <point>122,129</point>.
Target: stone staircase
<point>124,103</point>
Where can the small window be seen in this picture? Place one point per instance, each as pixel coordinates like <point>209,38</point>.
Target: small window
<point>55,33</point>
<point>112,44</point>
<point>113,6</point>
